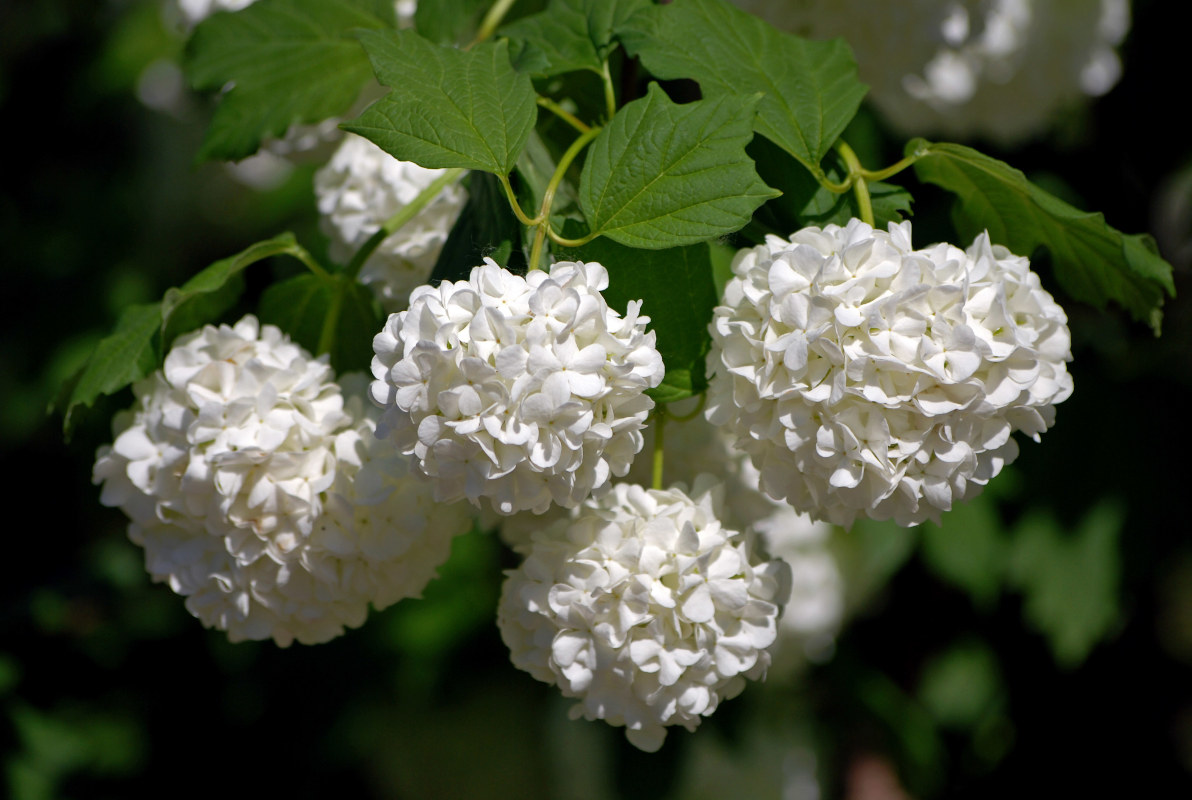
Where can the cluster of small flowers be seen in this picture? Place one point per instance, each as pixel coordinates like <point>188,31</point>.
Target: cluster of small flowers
<point>645,608</point>
<point>360,188</point>
<point>865,377</point>
<point>527,391</point>
<point>263,499</point>
<point>999,69</point>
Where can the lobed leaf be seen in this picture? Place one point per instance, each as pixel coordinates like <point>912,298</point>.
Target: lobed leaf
<point>678,293</point>
<point>447,107</point>
<point>666,175</point>
<point>810,89</point>
<point>286,62</point>
<point>570,35</point>
<point>1094,262</point>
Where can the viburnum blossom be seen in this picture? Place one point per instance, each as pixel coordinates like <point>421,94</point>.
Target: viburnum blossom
<point>1000,69</point>
<point>527,391</point>
<point>260,498</point>
<point>865,377</point>
<point>360,188</point>
<point>644,608</point>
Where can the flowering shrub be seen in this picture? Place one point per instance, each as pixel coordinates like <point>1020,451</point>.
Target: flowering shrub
<point>576,297</point>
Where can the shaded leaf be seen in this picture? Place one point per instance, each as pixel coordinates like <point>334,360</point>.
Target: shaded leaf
<point>810,89</point>
<point>678,293</point>
<point>325,313</point>
<point>666,175</point>
<point>486,228</point>
<point>1094,262</point>
<point>962,685</point>
<point>447,107</point>
<point>805,201</point>
<point>286,61</point>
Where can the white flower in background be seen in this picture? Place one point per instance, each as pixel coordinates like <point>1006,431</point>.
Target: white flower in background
<point>1000,69</point>
<point>644,608</point>
<point>864,377</point>
<point>195,11</point>
<point>362,187</point>
<point>527,391</point>
<point>269,167</point>
<point>259,498</point>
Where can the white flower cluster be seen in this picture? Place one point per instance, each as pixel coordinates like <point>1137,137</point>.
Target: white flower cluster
<point>644,608</point>
<point>258,497</point>
<point>360,188</point>
<point>527,391</point>
<point>1001,69</point>
<point>865,377</point>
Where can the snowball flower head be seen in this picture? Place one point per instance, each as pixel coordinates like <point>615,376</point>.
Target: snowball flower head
<point>865,377</point>
<point>260,498</point>
<point>1000,69</point>
<point>527,391</point>
<point>362,187</point>
<point>645,608</point>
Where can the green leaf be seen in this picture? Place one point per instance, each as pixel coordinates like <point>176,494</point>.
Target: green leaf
<point>810,88</point>
<point>447,107</point>
<point>325,313</point>
<point>449,21</point>
<point>143,332</point>
<point>128,354</point>
<point>287,61</point>
<point>665,175</point>
<point>486,228</point>
<point>1093,262</point>
<point>1069,579</point>
<point>677,293</point>
<point>215,289</point>
<point>570,35</point>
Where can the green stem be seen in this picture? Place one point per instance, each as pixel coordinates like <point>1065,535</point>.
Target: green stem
<point>610,95</point>
<point>659,431</point>
<point>492,21</point>
<point>401,218</point>
<point>564,114</point>
<point>299,252</point>
<point>860,185</point>
<point>562,242</point>
<point>522,217</point>
<point>893,169</point>
<point>548,197</point>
